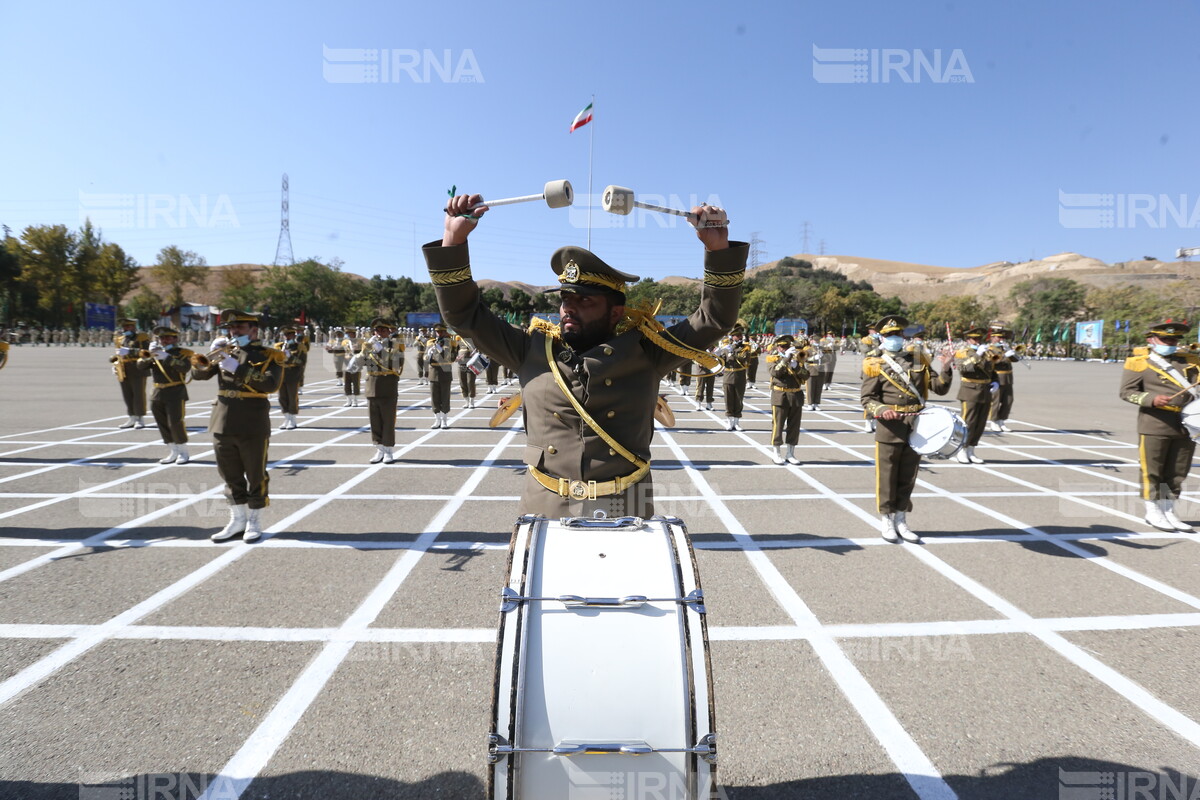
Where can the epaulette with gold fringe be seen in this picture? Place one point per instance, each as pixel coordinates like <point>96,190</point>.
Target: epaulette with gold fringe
<point>1137,362</point>
<point>278,356</point>
<point>872,367</point>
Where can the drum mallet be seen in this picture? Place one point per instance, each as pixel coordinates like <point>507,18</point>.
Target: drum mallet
<point>620,200</point>
<point>557,194</point>
<point>1184,389</point>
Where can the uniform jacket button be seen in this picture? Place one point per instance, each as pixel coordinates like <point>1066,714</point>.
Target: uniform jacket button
<point>612,452</point>
<point>611,414</point>
<point>608,381</point>
<point>607,350</point>
<point>551,449</point>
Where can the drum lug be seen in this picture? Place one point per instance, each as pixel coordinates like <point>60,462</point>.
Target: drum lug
<point>498,748</point>
<point>706,748</point>
<point>695,599</point>
<point>509,600</point>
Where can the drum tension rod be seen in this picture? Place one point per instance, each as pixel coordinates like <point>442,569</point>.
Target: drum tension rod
<point>498,748</point>
<point>509,600</point>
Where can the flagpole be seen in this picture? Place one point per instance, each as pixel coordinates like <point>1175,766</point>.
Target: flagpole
<point>591,134</point>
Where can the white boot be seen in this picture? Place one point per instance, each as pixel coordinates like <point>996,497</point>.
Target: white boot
<point>971,455</point>
<point>181,453</point>
<point>235,526</point>
<point>1155,517</point>
<point>902,528</point>
<point>128,423</point>
<point>1004,426</point>
<point>292,421</point>
<point>729,423</point>
<point>791,454</point>
<point>962,457</point>
<point>437,421</point>
<point>888,531</point>
<point>354,398</point>
<point>170,457</point>
<point>993,426</point>
<point>777,455</point>
<point>375,459</point>
<point>348,402</point>
<point>737,424</point>
<point>283,426</point>
<point>445,419</point>
<point>708,406</point>
<point>1168,508</point>
<point>138,424</point>
<point>388,456</point>
<point>253,527</point>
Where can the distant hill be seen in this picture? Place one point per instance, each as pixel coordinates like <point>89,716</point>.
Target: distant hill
<point>210,292</point>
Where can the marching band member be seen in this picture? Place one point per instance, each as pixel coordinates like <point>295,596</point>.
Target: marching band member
<point>829,355</point>
<point>168,365</point>
<point>1000,336</point>
<point>977,376</point>
<point>706,381</point>
<point>296,356</point>
<point>895,387</point>
<point>129,342</point>
<point>756,349</point>
<point>589,385</point>
<point>333,346</point>
<point>352,380</point>
<point>788,374</point>
<point>439,360</point>
<point>382,357</point>
<point>1160,381</point>
<point>247,374</point>
<point>420,342</point>
<point>735,356</point>
<point>466,378</point>
<point>868,345</point>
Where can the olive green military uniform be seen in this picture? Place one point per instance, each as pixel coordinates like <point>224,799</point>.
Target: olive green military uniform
<point>976,375</point>
<point>787,394</point>
<point>616,382</point>
<point>1165,447</point>
<point>736,358</point>
<point>351,380</point>
<point>336,349</point>
<point>241,420</point>
<point>752,364</point>
<point>131,379</point>
<point>706,380</point>
<point>295,359</point>
<point>896,463</point>
<point>1003,358</point>
<point>168,404</point>
<point>383,361</point>
<point>439,360</point>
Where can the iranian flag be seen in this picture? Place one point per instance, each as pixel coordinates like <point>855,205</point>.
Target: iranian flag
<point>582,118</point>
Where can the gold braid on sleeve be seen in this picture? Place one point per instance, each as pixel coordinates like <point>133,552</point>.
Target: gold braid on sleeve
<point>450,277</point>
<point>723,280</point>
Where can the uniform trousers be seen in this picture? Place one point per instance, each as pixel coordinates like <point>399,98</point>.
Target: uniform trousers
<point>1165,463</point>
<point>242,464</point>
<point>1003,402</point>
<point>133,392</point>
<point>466,381</point>
<point>734,387</point>
<point>382,412</point>
<point>786,418</point>
<point>896,467</point>
<point>352,383</point>
<point>439,388</point>
<point>289,396</point>
<point>976,417</point>
<point>169,407</point>
<point>816,382</point>
<point>704,388</point>
<point>752,370</point>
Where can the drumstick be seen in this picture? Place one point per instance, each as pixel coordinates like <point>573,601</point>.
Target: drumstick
<point>1184,389</point>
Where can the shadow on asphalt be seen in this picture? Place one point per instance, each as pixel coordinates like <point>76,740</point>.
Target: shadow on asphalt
<point>1068,776</point>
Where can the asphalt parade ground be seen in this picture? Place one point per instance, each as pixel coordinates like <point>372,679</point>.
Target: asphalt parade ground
<point>1041,643</point>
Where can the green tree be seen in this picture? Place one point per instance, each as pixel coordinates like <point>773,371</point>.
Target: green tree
<point>10,273</point>
<point>1046,303</point>
<point>178,268</point>
<point>239,288</point>
<point>765,303</point>
<point>961,311</point>
<point>116,273</point>
<point>146,307</point>
<point>321,292</point>
<point>45,253</point>
<point>85,266</point>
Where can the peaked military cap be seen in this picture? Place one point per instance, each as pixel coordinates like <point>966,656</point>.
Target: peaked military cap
<point>974,332</point>
<point>165,330</point>
<point>786,339</point>
<point>440,328</point>
<point>892,323</point>
<point>1169,328</point>
<point>999,329</point>
<point>288,329</point>
<point>380,322</point>
<point>582,272</point>
<point>231,315</point>
<point>125,321</point>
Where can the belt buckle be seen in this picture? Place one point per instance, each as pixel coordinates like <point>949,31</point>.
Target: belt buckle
<point>582,490</point>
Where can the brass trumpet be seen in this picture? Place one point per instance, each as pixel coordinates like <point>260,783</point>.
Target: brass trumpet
<point>204,360</point>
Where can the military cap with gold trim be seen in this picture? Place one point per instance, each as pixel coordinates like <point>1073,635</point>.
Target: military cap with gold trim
<point>999,329</point>
<point>440,327</point>
<point>165,330</point>
<point>892,323</point>
<point>582,272</point>
<point>974,332</point>
<point>380,322</point>
<point>231,315</point>
<point>288,329</point>
<point>1169,328</point>
<point>126,321</point>
<point>786,340</point>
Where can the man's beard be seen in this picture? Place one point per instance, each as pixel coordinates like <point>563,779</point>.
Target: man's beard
<point>587,336</point>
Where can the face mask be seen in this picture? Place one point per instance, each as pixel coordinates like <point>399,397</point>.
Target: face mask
<point>893,344</point>
<point>242,340</point>
<point>1165,349</point>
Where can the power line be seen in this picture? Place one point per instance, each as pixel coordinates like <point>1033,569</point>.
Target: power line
<point>756,251</point>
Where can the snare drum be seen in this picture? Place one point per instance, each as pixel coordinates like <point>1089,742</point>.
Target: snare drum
<point>603,678</point>
<point>478,363</point>
<point>938,432</point>
<point>1191,418</point>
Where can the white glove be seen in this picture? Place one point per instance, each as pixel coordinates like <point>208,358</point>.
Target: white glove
<point>792,364</point>
<point>229,364</point>
<point>159,354</point>
<point>122,351</point>
<point>995,387</point>
<point>1009,353</point>
<point>378,347</point>
<point>981,350</point>
<point>218,343</point>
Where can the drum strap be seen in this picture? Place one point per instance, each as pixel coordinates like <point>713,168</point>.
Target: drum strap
<point>902,374</point>
<point>587,418</point>
<point>1166,369</point>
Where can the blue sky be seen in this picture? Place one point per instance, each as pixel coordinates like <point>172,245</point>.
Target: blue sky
<point>172,123</point>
